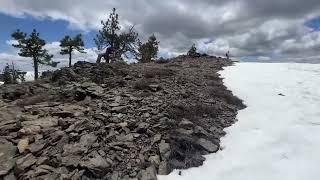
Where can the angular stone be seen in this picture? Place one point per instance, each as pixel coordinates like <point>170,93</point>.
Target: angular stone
<point>10,176</point>
<point>142,127</point>
<point>96,164</point>
<point>7,153</point>
<point>164,149</point>
<point>36,146</point>
<point>88,140</point>
<point>185,123</point>
<point>25,162</point>
<point>155,160</point>
<point>119,109</point>
<point>74,149</point>
<point>71,160</point>
<point>163,168</point>
<point>114,104</point>
<point>42,122</point>
<point>185,131</point>
<point>149,174</point>
<point>127,138</point>
<point>156,138</point>
<point>207,145</point>
<point>154,87</point>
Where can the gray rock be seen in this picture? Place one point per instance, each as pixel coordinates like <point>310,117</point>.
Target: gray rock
<point>119,109</point>
<point>200,130</point>
<point>164,149</point>
<point>10,176</point>
<point>114,104</point>
<point>155,160</point>
<point>185,123</point>
<point>154,87</point>
<point>88,140</point>
<point>25,162</point>
<point>36,146</point>
<point>207,145</point>
<point>102,153</point>
<point>156,138</point>
<point>163,168</point>
<point>115,176</point>
<point>45,122</point>
<point>149,174</point>
<point>185,131</point>
<point>71,160</point>
<point>96,164</point>
<point>128,138</point>
<point>74,149</point>
<point>142,127</point>
<point>7,152</point>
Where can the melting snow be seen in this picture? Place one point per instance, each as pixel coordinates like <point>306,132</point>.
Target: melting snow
<point>278,135</point>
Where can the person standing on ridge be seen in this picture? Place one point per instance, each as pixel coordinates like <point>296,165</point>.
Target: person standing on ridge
<point>228,55</point>
<point>105,55</point>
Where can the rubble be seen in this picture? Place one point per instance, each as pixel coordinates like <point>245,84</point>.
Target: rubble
<point>115,121</point>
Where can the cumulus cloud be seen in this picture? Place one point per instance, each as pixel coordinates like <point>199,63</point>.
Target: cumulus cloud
<point>272,29</point>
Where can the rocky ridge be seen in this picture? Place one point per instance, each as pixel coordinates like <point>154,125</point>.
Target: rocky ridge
<point>115,121</point>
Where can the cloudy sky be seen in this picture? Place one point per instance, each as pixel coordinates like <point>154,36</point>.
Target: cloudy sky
<point>263,30</point>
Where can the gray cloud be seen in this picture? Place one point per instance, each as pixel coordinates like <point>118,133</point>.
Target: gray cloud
<point>273,29</point>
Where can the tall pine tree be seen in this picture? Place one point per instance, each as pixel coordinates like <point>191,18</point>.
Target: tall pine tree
<point>33,46</point>
<point>111,36</point>
<point>68,45</point>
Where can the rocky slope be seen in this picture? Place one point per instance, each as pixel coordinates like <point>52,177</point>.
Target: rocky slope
<point>115,121</point>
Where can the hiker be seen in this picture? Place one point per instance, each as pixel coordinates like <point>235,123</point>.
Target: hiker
<point>228,55</point>
<point>105,55</point>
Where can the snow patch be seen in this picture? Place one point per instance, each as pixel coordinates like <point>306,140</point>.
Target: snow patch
<point>278,135</point>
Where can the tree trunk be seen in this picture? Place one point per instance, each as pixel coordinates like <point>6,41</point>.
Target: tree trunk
<point>70,59</point>
<point>36,71</point>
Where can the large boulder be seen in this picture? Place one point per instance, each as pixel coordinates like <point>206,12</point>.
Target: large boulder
<point>7,153</point>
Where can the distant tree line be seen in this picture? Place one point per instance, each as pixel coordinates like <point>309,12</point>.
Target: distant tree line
<point>11,75</point>
<point>118,42</point>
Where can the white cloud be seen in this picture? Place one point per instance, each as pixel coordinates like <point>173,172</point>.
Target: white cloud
<point>273,28</point>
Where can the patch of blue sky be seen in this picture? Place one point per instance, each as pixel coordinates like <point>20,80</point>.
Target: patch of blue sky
<point>314,23</point>
<point>50,30</point>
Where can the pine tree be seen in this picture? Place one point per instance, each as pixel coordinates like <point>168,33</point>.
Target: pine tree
<point>110,36</point>
<point>7,78</point>
<point>69,44</point>
<point>33,46</point>
<point>12,75</point>
<point>149,50</point>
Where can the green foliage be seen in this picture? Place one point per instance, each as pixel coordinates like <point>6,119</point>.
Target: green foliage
<point>110,36</point>
<point>12,75</point>
<point>33,46</point>
<point>193,51</point>
<point>69,44</point>
<point>149,50</point>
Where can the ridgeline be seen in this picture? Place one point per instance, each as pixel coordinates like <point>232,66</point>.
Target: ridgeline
<point>115,121</point>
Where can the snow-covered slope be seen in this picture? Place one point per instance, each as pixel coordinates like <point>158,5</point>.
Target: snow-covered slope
<point>277,136</point>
